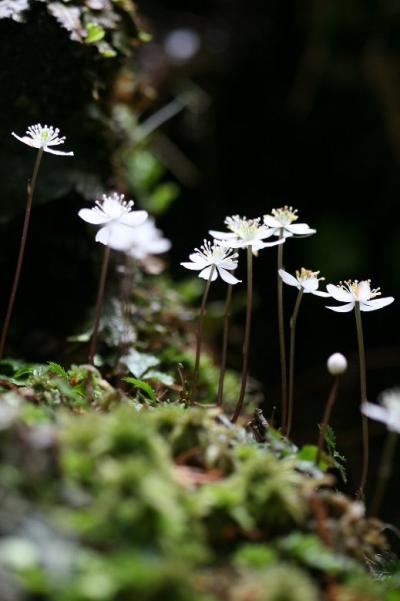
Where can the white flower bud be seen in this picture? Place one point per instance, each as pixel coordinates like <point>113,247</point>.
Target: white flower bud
<point>337,364</point>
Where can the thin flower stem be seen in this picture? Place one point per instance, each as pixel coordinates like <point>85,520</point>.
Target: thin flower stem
<point>384,473</point>
<point>282,345</point>
<point>224,346</point>
<point>199,338</point>
<point>99,304</point>
<point>363,389</point>
<point>327,416</point>
<point>293,322</point>
<point>246,342</point>
<point>20,260</point>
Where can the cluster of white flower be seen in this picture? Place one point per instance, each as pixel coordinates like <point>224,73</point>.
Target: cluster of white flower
<point>122,228</point>
<point>125,229</point>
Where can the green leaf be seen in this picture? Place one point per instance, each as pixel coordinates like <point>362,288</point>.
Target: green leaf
<point>162,197</point>
<point>309,453</point>
<point>95,33</point>
<point>142,386</point>
<point>58,369</point>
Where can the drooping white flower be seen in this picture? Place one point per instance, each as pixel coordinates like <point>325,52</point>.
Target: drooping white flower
<point>282,223</point>
<point>216,259</point>
<point>305,280</point>
<point>147,240</point>
<point>336,364</point>
<point>352,292</point>
<point>43,136</point>
<point>118,219</point>
<point>243,233</point>
<point>388,412</point>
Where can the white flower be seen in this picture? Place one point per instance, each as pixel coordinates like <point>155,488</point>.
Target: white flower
<point>243,233</point>
<point>147,240</point>
<point>388,411</point>
<point>350,293</point>
<point>282,223</point>
<point>38,136</point>
<point>118,219</point>
<point>210,256</point>
<point>305,280</point>
<point>336,364</point>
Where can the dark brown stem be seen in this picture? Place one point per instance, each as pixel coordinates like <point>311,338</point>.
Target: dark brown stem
<point>20,260</point>
<point>99,304</point>
<point>363,389</point>
<point>224,345</point>
<point>293,322</point>
<point>327,416</point>
<point>246,342</point>
<point>199,338</point>
<point>282,346</point>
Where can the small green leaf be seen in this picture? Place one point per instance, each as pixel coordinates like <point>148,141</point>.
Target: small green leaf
<point>95,33</point>
<point>142,386</point>
<point>58,369</point>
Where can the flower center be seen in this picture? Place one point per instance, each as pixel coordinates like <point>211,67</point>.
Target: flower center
<point>213,253</point>
<point>285,215</point>
<point>361,291</point>
<point>242,227</point>
<point>307,274</point>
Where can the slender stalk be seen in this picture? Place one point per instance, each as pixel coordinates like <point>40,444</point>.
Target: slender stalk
<point>282,345</point>
<point>246,342</point>
<point>199,338</point>
<point>327,416</point>
<point>384,472</point>
<point>99,304</point>
<point>363,389</point>
<point>224,345</point>
<point>293,322</point>
<point>20,260</point>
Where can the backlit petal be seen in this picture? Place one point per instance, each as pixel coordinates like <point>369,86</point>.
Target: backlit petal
<point>227,277</point>
<point>342,308</point>
<point>377,303</point>
<point>94,216</point>
<point>339,294</point>
<point>288,278</point>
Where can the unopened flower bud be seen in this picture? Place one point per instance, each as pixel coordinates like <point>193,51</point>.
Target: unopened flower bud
<point>337,364</point>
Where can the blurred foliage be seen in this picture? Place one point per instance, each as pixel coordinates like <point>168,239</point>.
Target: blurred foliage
<point>172,503</point>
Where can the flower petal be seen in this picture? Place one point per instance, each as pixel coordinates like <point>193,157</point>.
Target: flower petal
<point>376,412</point>
<point>222,235</point>
<point>288,278</point>
<point>59,152</point>
<point>228,264</point>
<point>205,274</point>
<point>342,308</point>
<point>26,140</point>
<point>103,235</point>
<point>266,244</point>
<point>271,221</point>
<point>227,277</point>
<point>319,293</point>
<point>339,294</point>
<point>116,236</point>
<point>134,218</point>
<point>300,229</point>
<point>377,303</point>
<point>94,216</point>
<point>192,266</point>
